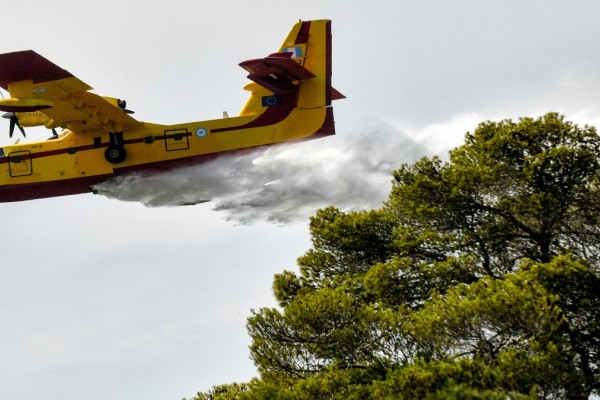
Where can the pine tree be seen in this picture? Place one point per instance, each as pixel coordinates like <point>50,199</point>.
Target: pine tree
<point>479,278</point>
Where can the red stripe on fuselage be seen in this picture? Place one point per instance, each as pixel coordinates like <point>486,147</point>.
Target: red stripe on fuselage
<point>271,116</point>
<point>74,149</point>
<point>328,63</point>
<point>40,190</point>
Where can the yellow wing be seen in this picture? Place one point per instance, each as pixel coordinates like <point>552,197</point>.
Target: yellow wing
<point>37,85</point>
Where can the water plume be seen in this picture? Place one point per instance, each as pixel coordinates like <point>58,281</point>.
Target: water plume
<point>282,183</point>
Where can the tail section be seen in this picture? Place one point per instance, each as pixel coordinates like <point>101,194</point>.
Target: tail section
<point>299,72</point>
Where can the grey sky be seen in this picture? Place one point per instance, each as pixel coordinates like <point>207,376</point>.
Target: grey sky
<point>101,298</point>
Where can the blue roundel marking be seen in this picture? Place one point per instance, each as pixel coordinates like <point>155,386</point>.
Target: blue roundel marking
<point>201,132</point>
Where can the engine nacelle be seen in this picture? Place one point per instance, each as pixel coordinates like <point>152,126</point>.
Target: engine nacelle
<point>18,105</point>
<point>34,118</point>
<point>119,103</point>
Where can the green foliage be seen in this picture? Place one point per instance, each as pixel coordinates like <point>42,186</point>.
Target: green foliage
<point>463,392</point>
<point>298,343</point>
<point>233,391</point>
<point>486,317</point>
<point>478,279</point>
<point>345,244</point>
<point>513,191</point>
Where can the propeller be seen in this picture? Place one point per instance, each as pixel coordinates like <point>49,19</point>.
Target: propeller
<point>14,121</point>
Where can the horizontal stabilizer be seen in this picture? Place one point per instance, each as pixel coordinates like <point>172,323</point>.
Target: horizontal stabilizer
<point>278,72</point>
<point>335,94</point>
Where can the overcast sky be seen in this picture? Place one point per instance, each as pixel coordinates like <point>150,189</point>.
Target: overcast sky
<point>132,299</point>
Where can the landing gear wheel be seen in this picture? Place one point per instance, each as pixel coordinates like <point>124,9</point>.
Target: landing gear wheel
<point>114,154</point>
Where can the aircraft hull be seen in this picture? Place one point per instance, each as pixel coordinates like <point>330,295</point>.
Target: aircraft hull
<point>85,184</point>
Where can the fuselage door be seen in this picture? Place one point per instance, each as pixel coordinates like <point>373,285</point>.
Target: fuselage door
<point>177,139</point>
<point>19,163</point>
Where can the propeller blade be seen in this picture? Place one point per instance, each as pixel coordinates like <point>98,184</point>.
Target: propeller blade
<point>21,128</point>
<point>14,121</point>
<point>12,128</point>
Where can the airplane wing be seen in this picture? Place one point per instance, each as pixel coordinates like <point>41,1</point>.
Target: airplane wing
<point>36,84</point>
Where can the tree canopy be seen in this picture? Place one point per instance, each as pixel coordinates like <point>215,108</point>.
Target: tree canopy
<point>479,278</point>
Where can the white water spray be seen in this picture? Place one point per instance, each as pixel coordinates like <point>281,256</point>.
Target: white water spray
<point>281,183</point>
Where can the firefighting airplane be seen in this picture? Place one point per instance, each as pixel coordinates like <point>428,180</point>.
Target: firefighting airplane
<point>290,100</point>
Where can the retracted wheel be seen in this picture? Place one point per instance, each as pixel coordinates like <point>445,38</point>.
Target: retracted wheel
<point>114,154</point>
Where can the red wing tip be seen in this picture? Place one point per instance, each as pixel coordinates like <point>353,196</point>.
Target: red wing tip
<point>28,65</point>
